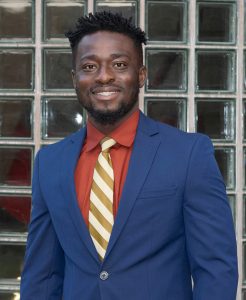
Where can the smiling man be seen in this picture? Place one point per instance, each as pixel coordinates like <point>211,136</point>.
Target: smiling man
<point>126,208</point>
<point>107,75</point>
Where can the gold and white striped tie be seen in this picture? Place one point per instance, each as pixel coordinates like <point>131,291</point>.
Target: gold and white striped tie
<point>101,217</point>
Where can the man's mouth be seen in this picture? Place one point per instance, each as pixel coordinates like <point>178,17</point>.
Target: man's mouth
<point>106,94</point>
<point>105,89</point>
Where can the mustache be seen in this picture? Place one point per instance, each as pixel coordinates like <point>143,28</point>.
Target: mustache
<point>105,87</point>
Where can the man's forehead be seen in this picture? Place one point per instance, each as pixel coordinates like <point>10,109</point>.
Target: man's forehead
<point>99,36</point>
<point>110,56</point>
<point>107,43</point>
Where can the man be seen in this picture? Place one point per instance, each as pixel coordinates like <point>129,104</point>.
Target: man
<point>126,208</point>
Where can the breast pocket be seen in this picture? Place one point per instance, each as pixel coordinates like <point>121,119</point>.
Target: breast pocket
<point>159,206</point>
<point>158,193</point>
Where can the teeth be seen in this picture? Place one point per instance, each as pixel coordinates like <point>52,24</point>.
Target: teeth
<point>106,93</point>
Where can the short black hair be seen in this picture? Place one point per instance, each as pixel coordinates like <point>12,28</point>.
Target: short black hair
<point>106,21</point>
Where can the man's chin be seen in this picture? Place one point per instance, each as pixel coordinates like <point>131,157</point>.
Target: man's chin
<point>110,115</point>
<point>106,117</point>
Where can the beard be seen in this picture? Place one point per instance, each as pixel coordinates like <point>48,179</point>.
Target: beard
<point>109,117</point>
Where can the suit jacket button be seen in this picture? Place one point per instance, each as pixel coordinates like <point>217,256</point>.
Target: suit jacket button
<point>104,275</point>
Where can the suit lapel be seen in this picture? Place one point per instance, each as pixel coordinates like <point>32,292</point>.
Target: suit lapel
<point>144,150</point>
<point>69,161</point>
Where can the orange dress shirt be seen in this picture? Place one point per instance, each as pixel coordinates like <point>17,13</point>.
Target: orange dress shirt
<point>120,154</point>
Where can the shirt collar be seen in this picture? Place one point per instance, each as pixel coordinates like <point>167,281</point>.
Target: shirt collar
<point>124,134</point>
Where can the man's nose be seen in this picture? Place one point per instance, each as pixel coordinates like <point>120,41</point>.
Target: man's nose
<point>105,75</point>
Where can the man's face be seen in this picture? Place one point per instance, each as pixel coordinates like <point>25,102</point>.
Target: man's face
<point>107,76</point>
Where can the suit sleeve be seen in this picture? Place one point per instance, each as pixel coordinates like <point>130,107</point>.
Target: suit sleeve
<point>210,236</point>
<point>42,276</point>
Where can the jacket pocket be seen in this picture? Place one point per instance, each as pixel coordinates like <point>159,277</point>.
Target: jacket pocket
<point>158,193</point>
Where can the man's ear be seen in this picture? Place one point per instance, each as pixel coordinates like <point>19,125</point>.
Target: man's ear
<point>142,76</point>
<point>74,79</point>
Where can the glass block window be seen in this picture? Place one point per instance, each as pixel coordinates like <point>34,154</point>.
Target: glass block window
<point>244,216</point>
<point>9,295</point>
<point>244,119</point>
<point>14,213</point>
<point>57,69</point>
<point>128,9</point>
<point>16,21</point>
<point>16,69</point>
<point>244,166</point>
<point>169,111</point>
<point>166,21</point>
<point>216,118</point>
<point>62,117</point>
<point>216,22</point>
<point>226,161</point>
<point>11,260</point>
<point>196,60</point>
<point>59,16</point>
<point>244,295</point>
<point>244,264</point>
<point>166,69</point>
<point>16,117</point>
<point>232,202</point>
<point>215,71</point>
<point>244,70</point>
<point>15,167</point>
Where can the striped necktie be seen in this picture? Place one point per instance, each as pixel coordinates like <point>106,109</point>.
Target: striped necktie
<point>101,217</point>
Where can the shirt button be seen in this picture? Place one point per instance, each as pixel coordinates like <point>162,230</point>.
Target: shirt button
<point>104,275</point>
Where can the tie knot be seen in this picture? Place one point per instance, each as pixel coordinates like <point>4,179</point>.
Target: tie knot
<point>107,143</point>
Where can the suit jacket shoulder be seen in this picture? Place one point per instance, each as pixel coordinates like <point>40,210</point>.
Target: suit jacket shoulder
<point>56,149</point>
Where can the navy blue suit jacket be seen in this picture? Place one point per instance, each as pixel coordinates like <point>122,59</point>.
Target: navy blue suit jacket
<point>173,237</point>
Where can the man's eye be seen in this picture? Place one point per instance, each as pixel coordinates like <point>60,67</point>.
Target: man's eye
<point>120,65</point>
<point>89,67</point>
